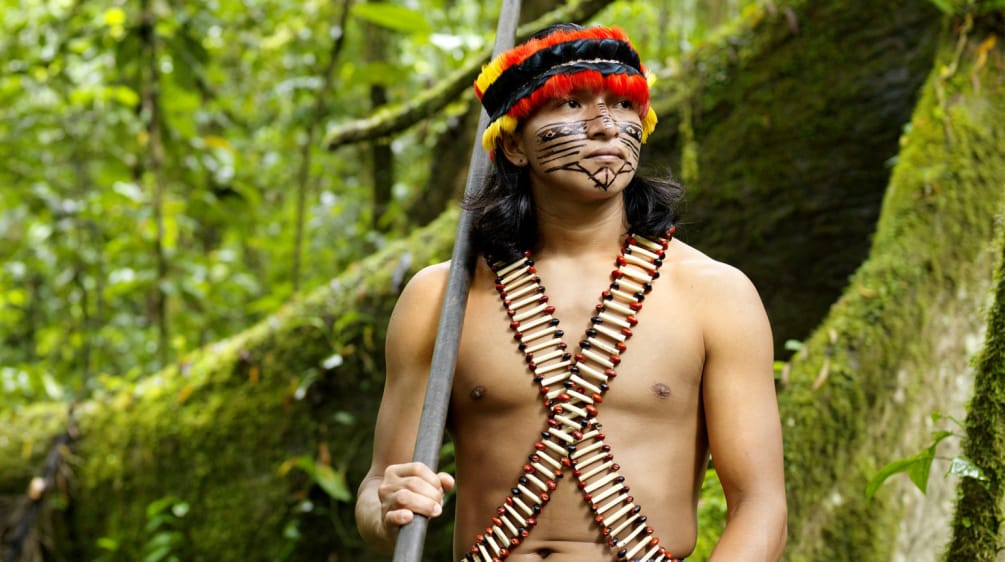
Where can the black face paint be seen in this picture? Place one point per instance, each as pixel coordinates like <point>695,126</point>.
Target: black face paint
<point>561,146</point>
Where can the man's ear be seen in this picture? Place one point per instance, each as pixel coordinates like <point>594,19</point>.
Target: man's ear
<point>513,149</point>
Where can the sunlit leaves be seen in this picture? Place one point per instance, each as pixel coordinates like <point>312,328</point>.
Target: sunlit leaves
<point>393,17</point>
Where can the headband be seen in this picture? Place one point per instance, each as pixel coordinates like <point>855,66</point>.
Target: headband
<point>519,81</point>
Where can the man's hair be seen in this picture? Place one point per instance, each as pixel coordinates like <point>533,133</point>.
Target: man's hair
<point>505,223</point>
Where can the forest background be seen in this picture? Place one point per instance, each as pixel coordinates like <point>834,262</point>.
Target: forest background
<point>207,209</point>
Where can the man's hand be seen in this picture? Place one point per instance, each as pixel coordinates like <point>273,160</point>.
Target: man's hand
<point>410,488</point>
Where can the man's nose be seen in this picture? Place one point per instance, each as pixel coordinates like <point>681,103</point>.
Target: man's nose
<point>601,123</point>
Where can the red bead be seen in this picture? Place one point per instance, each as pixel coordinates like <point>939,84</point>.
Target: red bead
<point>557,409</point>
<point>564,397</point>
<point>566,462</point>
<point>591,409</point>
<point>621,260</point>
<point>636,306</point>
<point>632,320</point>
<point>500,510</point>
<point>539,446</point>
<point>549,309</point>
<point>621,346</point>
<point>531,521</point>
<point>611,373</point>
<point>627,332</point>
<point>597,398</point>
<point>544,496</point>
<point>615,359</point>
<point>544,390</point>
<point>577,435</point>
<point>497,522</point>
<point>616,274</point>
<point>551,485</point>
<point>514,324</point>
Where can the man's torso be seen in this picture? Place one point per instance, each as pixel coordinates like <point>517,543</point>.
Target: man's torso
<point>651,415</point>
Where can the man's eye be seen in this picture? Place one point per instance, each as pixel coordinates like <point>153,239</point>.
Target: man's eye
<point>626,104</point>
<point>571,104</point>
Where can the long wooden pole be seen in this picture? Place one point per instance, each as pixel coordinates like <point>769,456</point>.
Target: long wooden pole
<point>448,335</point>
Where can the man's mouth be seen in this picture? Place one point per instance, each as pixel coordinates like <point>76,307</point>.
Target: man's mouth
<point>605,155</point>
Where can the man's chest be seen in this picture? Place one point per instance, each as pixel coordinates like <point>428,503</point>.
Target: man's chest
<point>659,362</point>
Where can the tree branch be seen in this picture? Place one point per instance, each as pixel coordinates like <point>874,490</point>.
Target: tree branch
<point>390,121</point>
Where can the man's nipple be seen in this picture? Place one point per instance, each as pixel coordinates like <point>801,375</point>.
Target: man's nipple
<point>478,392</point>
<point>661,390</point>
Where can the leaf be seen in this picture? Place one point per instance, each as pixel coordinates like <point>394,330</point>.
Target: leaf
<point>114,17</point>
<point>944,6</point>
<point>901,465</point>
<point>396,18</point>
<point>108,543</point>
<point>962,466</point>
<point>332,481</point>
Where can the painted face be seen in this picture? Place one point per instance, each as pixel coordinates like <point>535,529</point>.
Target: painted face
<point>591,139</point>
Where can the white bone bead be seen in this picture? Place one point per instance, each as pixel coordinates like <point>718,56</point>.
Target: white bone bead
<point>524,326</point>
<point>608,492</point>
<point>610,504</point>
<point>585,463</point>
<point>599,483</point>
<point>598,358</point>
<point>540,370</point>
<point>515,274</point>
<point>527,491</point>
<point>528,313</point>
<point>588,370</point>
<point>597,470</point>
<point>614,335</point>
<point>585,383</point>
<point>511,267</point>
<point>542,345</point>
<point>584,450</point>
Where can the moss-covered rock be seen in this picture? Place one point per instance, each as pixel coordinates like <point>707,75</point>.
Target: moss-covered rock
<point>897,344</point>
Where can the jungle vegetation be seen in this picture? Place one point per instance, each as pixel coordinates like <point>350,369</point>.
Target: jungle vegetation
<point>208,208</point>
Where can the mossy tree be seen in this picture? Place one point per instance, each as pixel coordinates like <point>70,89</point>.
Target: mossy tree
<point>762,125</point>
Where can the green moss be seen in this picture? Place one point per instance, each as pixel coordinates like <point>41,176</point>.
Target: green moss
<point>214,430</point>
<point>884,344</point>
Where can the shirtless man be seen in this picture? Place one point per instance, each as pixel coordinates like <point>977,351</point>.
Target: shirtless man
<point>555,457</point>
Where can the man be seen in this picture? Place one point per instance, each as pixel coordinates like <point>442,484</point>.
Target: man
<point>586,440</point>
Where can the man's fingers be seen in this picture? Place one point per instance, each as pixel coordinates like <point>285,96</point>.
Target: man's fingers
<point>446,481</point>
<point>399,517</point>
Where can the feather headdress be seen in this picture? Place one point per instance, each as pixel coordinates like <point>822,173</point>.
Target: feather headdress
<point>519,81</point>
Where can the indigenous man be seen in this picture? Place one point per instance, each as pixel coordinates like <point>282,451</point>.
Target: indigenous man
<point>556,458</point>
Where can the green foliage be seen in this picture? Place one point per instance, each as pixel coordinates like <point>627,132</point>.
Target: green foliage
<point>919,465</point>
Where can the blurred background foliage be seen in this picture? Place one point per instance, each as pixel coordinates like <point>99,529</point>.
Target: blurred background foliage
<point>164,177</point>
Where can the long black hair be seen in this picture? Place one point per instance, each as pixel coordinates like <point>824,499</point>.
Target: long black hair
<point>505,221</point>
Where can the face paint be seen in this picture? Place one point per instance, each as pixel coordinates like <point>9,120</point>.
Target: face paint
<point>565,146</point>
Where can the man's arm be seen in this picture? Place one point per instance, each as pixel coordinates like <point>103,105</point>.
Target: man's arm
<point>395,488</point>
<point>741,414</point>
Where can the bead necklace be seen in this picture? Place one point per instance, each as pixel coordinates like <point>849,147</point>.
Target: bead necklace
<point>572,386</point>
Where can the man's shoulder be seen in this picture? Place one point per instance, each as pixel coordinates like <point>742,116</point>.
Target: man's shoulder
<point>429,278</point>
<point>703,273</point>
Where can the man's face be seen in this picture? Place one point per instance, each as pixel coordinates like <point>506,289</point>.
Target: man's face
<point>587,140</point>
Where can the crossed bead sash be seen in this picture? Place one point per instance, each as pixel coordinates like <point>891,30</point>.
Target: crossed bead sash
<point>572,385</point>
